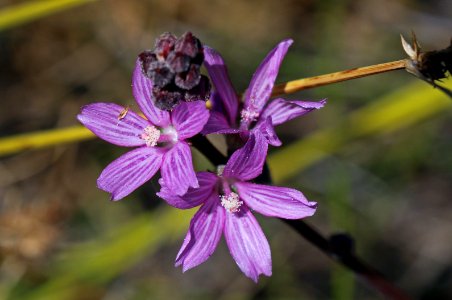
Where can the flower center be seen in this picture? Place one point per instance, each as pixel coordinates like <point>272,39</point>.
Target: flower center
<point>231,202</point>
<point>169,135</point>
<point>249,115</point>
<point>150,135</point>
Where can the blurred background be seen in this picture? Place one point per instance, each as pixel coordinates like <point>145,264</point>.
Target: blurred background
<point>376,158</point>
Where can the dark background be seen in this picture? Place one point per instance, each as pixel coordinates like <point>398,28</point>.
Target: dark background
<point>61,238</point>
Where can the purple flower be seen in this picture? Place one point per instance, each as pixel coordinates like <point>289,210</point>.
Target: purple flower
<point>257,114</point>
<point>160,140</point>
<point>227,199</point>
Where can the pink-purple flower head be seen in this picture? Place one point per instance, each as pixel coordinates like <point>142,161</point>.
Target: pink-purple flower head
<point>227,199</point>
<point>257,114</point>
<point>160,140</point>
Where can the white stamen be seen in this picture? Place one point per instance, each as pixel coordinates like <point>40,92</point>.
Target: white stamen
<point>231,202</point>
<point>249,115</point>
<point>220,170</point>
<point>150,135</point>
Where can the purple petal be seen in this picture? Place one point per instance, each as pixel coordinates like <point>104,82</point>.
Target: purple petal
<point>177,169</point>
<point>246,163</point>
<point>274,201</point>
<point>142,91</point>
<point>104,120</point>
<point>129,171</point>
<point>189,118</point>
<point>268,131</point>
<point>203,235</point>
<point>281,110</point>
<point>218,73</point>
<point>193,197</point>
<point>264,78</point>
<point>247,244</point>
<point>217,123</point>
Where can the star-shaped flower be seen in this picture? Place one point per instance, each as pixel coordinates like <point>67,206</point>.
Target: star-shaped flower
<point>161,140</point>
<point>227,199</point>
<point>257,114</point>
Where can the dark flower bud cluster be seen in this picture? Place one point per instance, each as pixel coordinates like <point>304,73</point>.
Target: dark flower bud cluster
<point>435,64</point>
<point>430,66</point>
<point>174,68</point>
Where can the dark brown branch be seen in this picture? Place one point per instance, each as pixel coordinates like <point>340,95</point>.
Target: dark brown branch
<point>340,249</point>
<point>210,151</point>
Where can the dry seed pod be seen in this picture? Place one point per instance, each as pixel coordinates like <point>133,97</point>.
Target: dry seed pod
<point>429,66</point>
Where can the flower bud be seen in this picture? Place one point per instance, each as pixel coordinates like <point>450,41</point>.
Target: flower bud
<point>174,68</point>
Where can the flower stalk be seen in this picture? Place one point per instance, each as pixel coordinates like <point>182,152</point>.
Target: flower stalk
<point>326,79</point>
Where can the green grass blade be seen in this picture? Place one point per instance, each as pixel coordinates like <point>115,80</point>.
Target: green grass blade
<point>42,139</point>
<point>23,13</point>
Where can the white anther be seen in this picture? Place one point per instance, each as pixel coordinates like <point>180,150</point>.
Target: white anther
<point>150,135</point>
<point>249,115</point>
<point>231,202</point>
